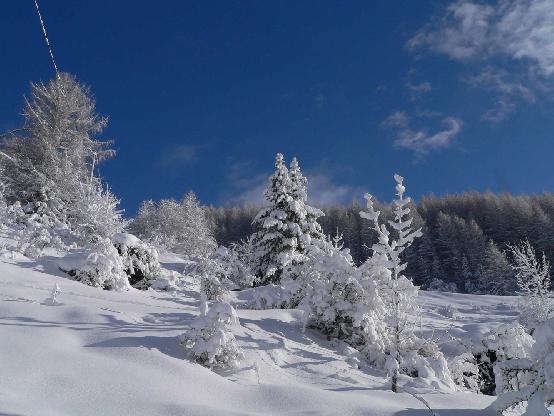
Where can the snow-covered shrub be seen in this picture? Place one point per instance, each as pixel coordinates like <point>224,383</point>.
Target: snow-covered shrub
<point>448,311</point>
<point>465,372</point>
<point>213,281</point>
<point>212,287</point>
<point>139,259</point>
<point>35,232</point>
<point>53,299</point>
<point>210,340</point>
<point>533,280</point>
<point>94,214</point>
<point>340,302</point>
<point>497,357</point>
<point>442,286</point>
<point>102,267</point>
<point>538,389</point>
<point>231,268</point>
<point>267,297</point>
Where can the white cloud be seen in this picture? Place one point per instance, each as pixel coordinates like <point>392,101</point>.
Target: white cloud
<point>322,190</point>
<point>517,29</point>
<point>420,140</point>
<point>398,119</point>
<point>508,92</point>
<point>178,156</point>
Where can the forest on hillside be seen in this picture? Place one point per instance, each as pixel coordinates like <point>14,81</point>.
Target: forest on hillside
<point>464,243</point>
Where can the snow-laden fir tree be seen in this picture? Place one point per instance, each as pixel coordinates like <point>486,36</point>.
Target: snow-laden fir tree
<point>533,281</point>
<point>275,245</point>
<point>178,226</point>
<point>302,213</point>
<point>288,225</point>
<point>210,340</point>
<point>397,291</point>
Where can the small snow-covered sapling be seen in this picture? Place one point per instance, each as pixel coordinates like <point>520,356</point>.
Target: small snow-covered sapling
<point>53,299</point>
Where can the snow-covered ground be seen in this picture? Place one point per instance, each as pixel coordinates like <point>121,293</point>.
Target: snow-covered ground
<point>108,353</point>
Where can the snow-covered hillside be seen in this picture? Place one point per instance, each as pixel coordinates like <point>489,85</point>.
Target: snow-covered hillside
<point>109,353</point>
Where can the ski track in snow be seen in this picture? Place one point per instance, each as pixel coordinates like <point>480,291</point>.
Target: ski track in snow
<point>106,353</point>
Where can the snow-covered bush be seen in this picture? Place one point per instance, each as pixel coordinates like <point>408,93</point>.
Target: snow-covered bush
<point>210,340</point>
<point>95,214</point>
<point>492,366</point>
<point>533,280</point>
<point>53,299</point>
<point>35,233</point>
<point>139,259</point>
<point>448,311</point>
<point>102,267</point>
<point>267,297</point>
<point>212,287</point>
<point>465,372</point>
<point>231,268</point>
<point>339,302</point>
<point>538,389</point>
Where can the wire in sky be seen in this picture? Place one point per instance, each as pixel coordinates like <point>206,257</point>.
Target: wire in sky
<point>46,38</point>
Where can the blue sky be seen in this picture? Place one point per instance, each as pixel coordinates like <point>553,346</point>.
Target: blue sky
<point>455,96</point>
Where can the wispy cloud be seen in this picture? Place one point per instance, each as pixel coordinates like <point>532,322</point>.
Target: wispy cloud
<point>421,141</point>
<point>183,155</point>
<point>416,89</point>
<point>323,191</point>
<point>508,93</point>
<point>521,30</point>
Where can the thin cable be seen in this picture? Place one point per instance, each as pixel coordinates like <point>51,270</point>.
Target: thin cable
<point>46,38</point>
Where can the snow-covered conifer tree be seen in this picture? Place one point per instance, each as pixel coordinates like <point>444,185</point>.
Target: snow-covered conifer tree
<point>276,242</point>
<point>533,281</point>
<point>288,225</point>
<point>386,267</point>
<point>302,213</point>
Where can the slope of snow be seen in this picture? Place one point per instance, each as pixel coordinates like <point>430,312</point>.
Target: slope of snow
<point>107,353</point>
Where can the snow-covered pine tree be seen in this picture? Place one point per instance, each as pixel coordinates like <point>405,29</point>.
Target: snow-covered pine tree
<point>275,245</point>
<point>533,281</point>
<point>396,290</point>
<point>302,213</point>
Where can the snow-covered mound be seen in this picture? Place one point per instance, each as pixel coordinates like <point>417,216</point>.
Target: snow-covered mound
<point>96,352</point>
